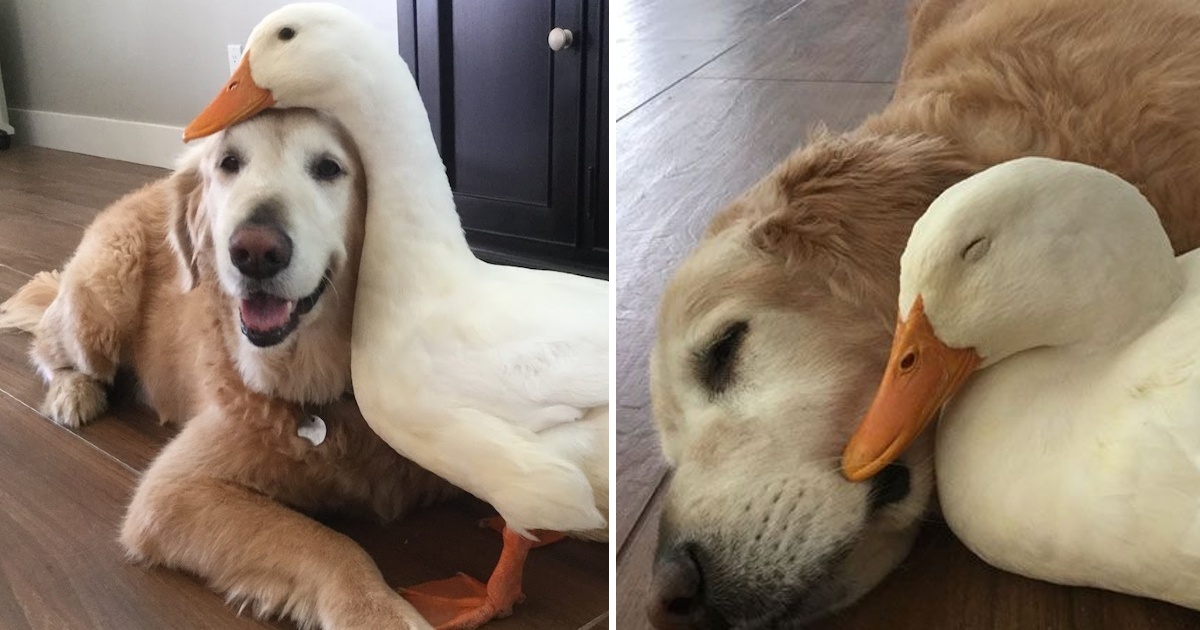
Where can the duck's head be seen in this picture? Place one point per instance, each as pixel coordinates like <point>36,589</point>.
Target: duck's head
<point>1030,253</point>
<point>310,55</point>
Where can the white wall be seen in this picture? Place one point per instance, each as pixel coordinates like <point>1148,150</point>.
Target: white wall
<point>120,78</point>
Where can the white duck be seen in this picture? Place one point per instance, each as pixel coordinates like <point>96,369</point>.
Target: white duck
<point>493,377</point>
<point>1073,456</point>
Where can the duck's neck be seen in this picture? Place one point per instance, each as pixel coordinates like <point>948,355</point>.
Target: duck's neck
<point>1138,299</point>
<point>1086,318</point>
<point>414,239</point>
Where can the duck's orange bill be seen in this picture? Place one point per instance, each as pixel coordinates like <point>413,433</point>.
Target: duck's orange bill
<point>240,99</point>
<point>922,374</point>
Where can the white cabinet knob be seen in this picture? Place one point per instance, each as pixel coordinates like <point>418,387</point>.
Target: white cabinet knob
<point>559,39</point>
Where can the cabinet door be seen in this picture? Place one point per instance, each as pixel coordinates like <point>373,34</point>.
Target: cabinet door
<point>508,114</point>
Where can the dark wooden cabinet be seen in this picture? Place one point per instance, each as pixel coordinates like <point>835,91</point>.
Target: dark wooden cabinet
<point>523,129</point>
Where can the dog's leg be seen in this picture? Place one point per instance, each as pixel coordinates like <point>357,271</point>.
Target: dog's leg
<point>191,512</point>
<point>78,342</point>
<point>74,398</point>
<point>77,348</point>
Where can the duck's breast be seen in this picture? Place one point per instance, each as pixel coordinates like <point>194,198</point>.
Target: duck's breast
<point>1085,469</point>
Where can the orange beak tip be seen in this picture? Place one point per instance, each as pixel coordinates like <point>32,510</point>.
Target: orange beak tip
<point>853,474</point>
<point>858,466</point>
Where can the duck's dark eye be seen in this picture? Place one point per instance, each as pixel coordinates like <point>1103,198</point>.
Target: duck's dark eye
<point>230,164</point>
<point>716,362</point>
<point>326,169</point>
<point>287,33</point>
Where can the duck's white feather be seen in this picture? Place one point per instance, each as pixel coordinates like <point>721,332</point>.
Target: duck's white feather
<point>1080,463</point>
<point>533,347</point>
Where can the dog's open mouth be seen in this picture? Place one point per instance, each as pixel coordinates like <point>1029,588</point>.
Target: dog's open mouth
<point>268,319</point>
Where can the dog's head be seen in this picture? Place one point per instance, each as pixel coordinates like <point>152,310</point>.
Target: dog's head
<point>273,208</point>
<point>772,336</point>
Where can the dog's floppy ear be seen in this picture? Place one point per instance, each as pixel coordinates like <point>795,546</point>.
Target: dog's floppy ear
<point>187,223</point>
<point>810,241</point>
<point>843,207</point>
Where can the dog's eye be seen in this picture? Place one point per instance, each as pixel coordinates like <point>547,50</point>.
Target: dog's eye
<point>716,362</point>
<point>287,33</point>
<point>230,164</point>
<point>327,169</point>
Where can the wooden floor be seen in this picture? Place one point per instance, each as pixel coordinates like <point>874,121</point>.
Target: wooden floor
<point>63,492</point>
<point>709,95</point>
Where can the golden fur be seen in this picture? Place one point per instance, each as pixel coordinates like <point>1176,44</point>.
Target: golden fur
<point>227,498</point>
<point>808,258</point>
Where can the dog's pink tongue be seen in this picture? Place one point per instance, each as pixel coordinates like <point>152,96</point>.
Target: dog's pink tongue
<point>265,312</point>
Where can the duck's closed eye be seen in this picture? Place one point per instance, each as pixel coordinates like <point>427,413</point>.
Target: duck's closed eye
<point>716,362</point>
<point>976,249</point>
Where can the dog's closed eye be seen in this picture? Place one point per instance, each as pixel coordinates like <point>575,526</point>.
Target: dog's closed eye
<point>716,362</point>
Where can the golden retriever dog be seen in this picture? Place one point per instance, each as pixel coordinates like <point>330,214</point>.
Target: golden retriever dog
<point>773,333</point>
<point>228,289</point>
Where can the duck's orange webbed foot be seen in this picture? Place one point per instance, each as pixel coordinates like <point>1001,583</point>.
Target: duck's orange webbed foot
<point>464,603</point>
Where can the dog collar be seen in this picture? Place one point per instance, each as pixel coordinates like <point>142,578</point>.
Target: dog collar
<point>312,428</point>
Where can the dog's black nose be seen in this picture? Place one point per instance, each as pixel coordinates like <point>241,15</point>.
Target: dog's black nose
<point>677,592</point>
<point>260,250</point>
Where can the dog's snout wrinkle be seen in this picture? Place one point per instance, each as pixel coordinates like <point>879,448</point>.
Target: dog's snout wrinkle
<point>260,250</point>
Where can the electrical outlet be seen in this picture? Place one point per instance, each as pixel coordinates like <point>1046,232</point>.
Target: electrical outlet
<point>235,55</point>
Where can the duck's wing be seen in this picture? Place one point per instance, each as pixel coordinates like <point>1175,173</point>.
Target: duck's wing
<point>1147,459</point>
<point>535,382</point>
<point>534,351</point>
<point>1157,438</point>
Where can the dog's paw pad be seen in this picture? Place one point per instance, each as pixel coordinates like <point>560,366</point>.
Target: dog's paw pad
<point>73,399</point>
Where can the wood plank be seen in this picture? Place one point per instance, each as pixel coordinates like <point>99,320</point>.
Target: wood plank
<point>38,204</point>
<point>653,48</point>
<point>664,20</point>
<point>600,622</point>
<point>683,156</point>
<point>640,467</point>
<point>62,566</point>
<point>634,566</point>
<point>943,584</point>
<point>55,240</point>
<point>644,67</point>
<point>822,40</point>
<point>70,177</point>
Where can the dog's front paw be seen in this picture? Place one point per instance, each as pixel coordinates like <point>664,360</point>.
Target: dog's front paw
<point>73,399</point>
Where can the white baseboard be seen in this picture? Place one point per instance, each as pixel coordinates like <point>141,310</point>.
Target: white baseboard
<point>127,140</point>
